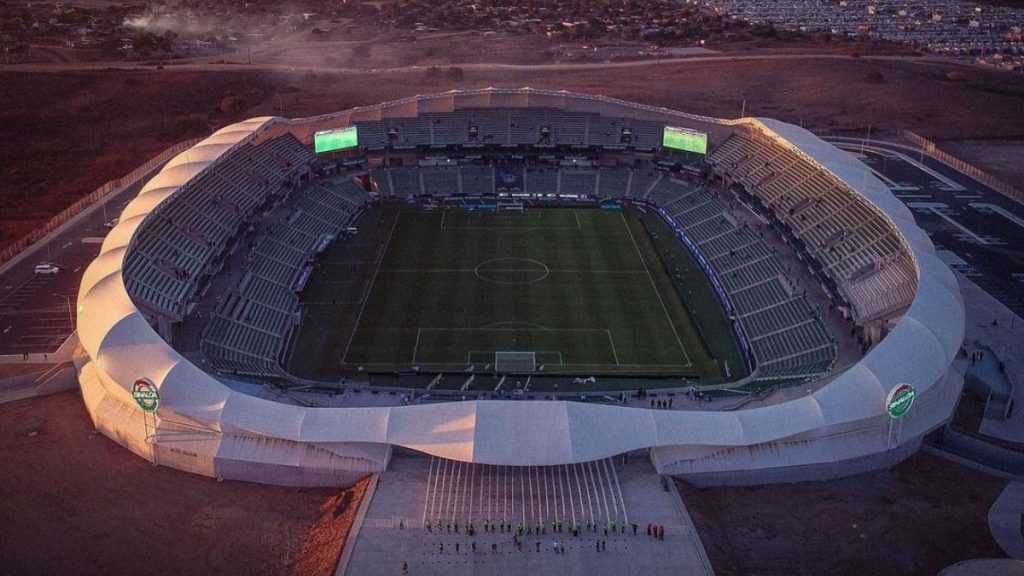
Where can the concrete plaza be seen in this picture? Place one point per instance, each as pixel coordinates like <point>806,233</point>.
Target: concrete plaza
<point>417,488</point>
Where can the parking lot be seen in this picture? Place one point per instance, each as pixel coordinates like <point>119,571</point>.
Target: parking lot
<point>983,228</point>
<point>38,311</point>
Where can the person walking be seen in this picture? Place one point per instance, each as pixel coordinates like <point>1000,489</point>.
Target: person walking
<point>405,567</point>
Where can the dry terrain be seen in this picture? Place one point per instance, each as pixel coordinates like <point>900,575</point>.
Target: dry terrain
<point>914,519</point>
<point>329,533</point>
<point>73,502</point>
<point>64,133</point>
<point>1003,159</point>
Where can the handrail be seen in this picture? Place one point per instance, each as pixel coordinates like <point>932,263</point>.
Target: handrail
<point>932,149</point>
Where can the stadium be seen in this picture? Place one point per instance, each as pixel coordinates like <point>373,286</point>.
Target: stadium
<point>518,277</point>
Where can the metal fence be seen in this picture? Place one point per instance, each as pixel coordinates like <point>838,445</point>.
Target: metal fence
<point>96,195</point>
<point>992,182</point>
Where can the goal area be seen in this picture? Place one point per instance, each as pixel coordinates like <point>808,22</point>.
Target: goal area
<point>515,362</point>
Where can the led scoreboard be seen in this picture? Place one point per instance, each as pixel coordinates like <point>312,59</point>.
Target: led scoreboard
<point>685,139</point>
<point>334,140</point>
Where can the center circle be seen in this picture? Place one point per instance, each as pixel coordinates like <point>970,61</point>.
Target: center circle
<point>511,271</point>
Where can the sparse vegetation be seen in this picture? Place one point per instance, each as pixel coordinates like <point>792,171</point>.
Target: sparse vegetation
<point>232,106</point>
<point>454,73</point>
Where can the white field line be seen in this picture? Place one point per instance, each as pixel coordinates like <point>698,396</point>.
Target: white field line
<point>416,346</point>
<point>472,270</point>
<point>615,352</point>
<point>369,289</point>
<point>656,292</point>
<point>490,353</point>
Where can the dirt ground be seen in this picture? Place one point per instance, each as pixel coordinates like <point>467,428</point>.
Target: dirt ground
<point>914,519</point>
<point>73,502</point>
<point>20,369</point>
<point>63,134</point>
<point>1003,159</point>
<point>329,533</point>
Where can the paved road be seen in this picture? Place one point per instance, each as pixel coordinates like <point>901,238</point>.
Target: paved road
<point>314,66</point>
<point>37,311</point>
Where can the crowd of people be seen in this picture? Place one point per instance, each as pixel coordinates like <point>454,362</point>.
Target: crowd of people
<point>522,530</point>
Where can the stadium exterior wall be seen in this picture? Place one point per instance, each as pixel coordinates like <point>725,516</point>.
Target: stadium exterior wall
<point>205,427</point>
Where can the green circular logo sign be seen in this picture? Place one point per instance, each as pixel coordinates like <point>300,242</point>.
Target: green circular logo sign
<point>900,400</point>
<point>146,395</point>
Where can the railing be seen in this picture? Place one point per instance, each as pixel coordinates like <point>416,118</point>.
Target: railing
<point>992,182</point>
<point>98,194</point>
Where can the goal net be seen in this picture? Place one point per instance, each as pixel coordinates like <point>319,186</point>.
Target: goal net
<point>515,362</point>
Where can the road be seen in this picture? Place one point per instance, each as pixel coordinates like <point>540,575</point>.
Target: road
<point>983,228</point>
<point>37,311</point>
<point>207,64</point>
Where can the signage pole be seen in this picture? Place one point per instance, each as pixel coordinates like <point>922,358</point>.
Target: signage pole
<point>147,396</point>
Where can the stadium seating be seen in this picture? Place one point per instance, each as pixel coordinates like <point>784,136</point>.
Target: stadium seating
<point>839,230</point>
<point>613,183</point>
<point>577,182</point>
<point>515,127</point>
<point>179,244</point>
<point>440,180</point>
<point>250,327</point>
<point>541,181</point>
<point>787,338</point>
<point>477,180</point>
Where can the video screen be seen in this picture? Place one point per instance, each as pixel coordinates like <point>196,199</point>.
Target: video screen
<point>334,140</point>
<point>685,139</point>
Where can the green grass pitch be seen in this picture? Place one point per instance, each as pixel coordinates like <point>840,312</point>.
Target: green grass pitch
<point>584,289</point>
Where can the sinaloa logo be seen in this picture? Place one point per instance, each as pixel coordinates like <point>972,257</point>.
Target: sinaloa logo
<point>900,399</point>
<point>146,395</point>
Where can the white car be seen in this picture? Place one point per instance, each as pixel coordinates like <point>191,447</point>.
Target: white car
<point>46,268</point>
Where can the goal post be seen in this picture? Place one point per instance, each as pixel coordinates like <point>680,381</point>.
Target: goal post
<point>515,362</point>
<point>510,206</point>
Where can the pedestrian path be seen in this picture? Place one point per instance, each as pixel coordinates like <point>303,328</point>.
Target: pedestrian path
<point>583,493</point>
<point>505,520</point>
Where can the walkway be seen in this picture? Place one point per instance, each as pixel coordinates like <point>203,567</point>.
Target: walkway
<point>415,487</point>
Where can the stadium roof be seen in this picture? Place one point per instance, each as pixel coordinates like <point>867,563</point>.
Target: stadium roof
<point>123,347</point>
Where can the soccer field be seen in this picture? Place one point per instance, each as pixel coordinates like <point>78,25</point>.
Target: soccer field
<point>581,291</point>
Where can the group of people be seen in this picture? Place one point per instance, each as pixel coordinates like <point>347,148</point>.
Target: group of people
<point>657,531</point>
<point>661,404</point>
<point>521,529</point>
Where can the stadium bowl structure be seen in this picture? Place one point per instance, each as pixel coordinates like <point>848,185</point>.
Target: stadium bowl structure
<point>837,427</point>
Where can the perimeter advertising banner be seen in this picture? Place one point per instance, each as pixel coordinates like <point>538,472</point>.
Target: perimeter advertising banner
<point>685,139</point>
<point>334,140</point>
